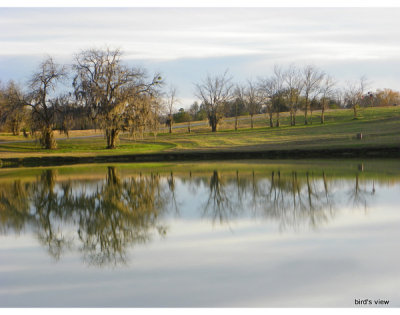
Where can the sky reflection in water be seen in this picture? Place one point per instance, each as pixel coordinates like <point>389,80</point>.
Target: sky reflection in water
<point>228,239</point>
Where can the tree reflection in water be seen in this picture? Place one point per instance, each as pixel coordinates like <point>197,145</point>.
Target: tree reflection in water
<point>105,218</point>
<point>14,206</point>
<point>292,200</point>
<point>49,212</point>
<point>358,196</point>
<point>219,205</point>
<point>116,214</point>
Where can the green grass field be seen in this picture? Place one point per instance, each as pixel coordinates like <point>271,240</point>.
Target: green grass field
<point>379,126</point>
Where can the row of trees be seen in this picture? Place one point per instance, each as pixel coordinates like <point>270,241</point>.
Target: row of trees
<point>291,89</point>
<point>105,93</point>
<point>286,102</point>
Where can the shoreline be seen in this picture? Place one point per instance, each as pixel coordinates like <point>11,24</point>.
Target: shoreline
<point>369,152</point>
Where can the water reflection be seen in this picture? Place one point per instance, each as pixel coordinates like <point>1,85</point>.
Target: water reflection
<point>102,219</point>
<point>360,195</point>
<point>106,219</point>
<point>220,204</point>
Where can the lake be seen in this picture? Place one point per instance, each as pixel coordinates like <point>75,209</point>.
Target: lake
<point>226,234</point>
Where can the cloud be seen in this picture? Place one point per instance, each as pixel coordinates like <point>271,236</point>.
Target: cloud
<point>247,40</point>
<point>197,33</point>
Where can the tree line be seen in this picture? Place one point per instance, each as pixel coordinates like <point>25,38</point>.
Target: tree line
<point>290,89</point>
<point>106,94</point>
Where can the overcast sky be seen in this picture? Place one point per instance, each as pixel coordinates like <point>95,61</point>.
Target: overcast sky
<point>185,44</point>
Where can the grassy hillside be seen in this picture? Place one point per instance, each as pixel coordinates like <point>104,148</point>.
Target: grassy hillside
<point>380,127</point>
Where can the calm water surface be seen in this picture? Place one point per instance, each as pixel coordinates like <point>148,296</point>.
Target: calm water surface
<point>255,236</point>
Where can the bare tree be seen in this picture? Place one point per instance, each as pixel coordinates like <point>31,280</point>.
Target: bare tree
<point>312,78</point>
<point>354,92</point>
<point>326,91</point>
<point>271,90</point>
<point>266,88</point>
<point>42,84</point>
<point>236,104</point>
<point>294,84</point>
<point>192,113</point>
<point>215,92</point>
<point>156,107</point>
<point>170,101</point>
<point>239,93</point>
<point>339,97</point>
<point>277,97</point>
<point>250,96</point>
<point>114,93</point>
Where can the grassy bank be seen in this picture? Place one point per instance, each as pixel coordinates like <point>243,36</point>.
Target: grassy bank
<point>380,128</point>
<point>385,171</point>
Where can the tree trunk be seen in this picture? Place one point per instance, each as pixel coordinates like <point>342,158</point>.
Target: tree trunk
<point>170,123</point>
<point>213,123</point>
<point>111,135</point>
<point>15,128</point>
<point>355,111</point>
<point>189,126</point>
<point>294,118</point>
<point>111,144</point>
<point>305,114</point>
<point>271,122</point>
<point>236,123</point>
<point>47,140</point>
<point>236,116</point>
<point>278,123</point>
<point>323,115</point>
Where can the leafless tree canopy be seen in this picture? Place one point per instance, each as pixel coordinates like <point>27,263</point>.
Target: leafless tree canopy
<point>312,78</point>
<point>215,92</point>
<point>272,91</point>
<point>294,86</point>
<point>353,93</point>
<point>326,91</point>
<point>251,97</point>
<point>170,101</point>
<point>42,102</point>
